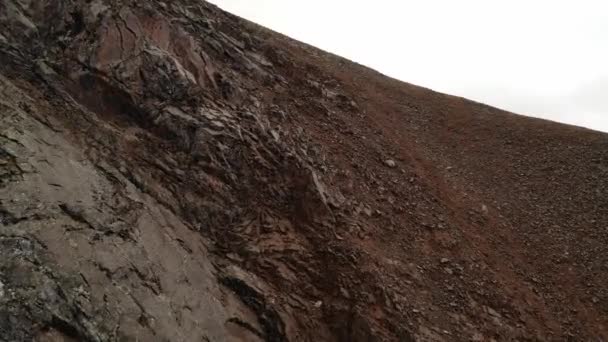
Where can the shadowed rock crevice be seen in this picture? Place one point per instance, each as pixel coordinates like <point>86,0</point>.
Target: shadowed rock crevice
<point>274,328</point>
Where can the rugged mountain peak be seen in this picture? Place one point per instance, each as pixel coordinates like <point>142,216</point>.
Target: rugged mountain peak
<point>170,172</point>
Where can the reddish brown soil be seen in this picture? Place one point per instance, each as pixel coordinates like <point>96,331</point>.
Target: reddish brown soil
<point>517,204</point>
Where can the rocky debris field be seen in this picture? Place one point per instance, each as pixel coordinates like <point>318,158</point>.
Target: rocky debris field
<point>171,172</point>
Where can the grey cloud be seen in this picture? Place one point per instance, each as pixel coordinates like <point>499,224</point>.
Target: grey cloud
<point>593,96</point>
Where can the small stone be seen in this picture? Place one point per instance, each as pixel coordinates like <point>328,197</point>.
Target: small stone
<point>1,289</point>
<point>477,337</point>
<point>253,249</point>
<point>318,304</point>
<point>275,135</point>
<point>276,112</point>
<point>493,312</point>
<point>390,163</point>
<point>445,260</point>
<point>43,67</point>
<point>218,124</point>
<point>448,270</point>
<point>595,300</point>
<point>97,7</point>
<point>234,257</point>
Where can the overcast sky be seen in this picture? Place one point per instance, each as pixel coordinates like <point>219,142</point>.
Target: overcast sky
<point>544,58</point>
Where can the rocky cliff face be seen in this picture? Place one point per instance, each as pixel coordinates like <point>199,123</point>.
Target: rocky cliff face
<point>169,172</point>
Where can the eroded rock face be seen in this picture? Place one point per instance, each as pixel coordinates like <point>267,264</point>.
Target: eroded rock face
<point>96,248</point>
<point>88,256</point>
<point>169,172</point>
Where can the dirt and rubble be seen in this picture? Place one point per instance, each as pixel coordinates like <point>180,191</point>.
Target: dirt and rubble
<point>171,172</point>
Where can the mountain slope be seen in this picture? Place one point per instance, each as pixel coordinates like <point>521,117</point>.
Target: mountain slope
<point>170,172</point>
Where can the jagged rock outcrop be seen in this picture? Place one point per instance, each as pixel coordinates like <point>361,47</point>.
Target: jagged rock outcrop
<point>169,172</point>
<point>122,248</point>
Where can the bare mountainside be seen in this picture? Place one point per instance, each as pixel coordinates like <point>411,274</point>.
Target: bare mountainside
<point>170,172</point>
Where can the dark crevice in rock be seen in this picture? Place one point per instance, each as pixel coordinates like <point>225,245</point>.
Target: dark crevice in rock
<point>246,326</point>
<point>8,219</point>
<point>269,319</point>
<point>66,328</point>
<point>77,23</point>
<point>105,99</point>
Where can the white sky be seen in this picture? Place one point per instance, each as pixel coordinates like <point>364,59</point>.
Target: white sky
<point>545,58</point>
